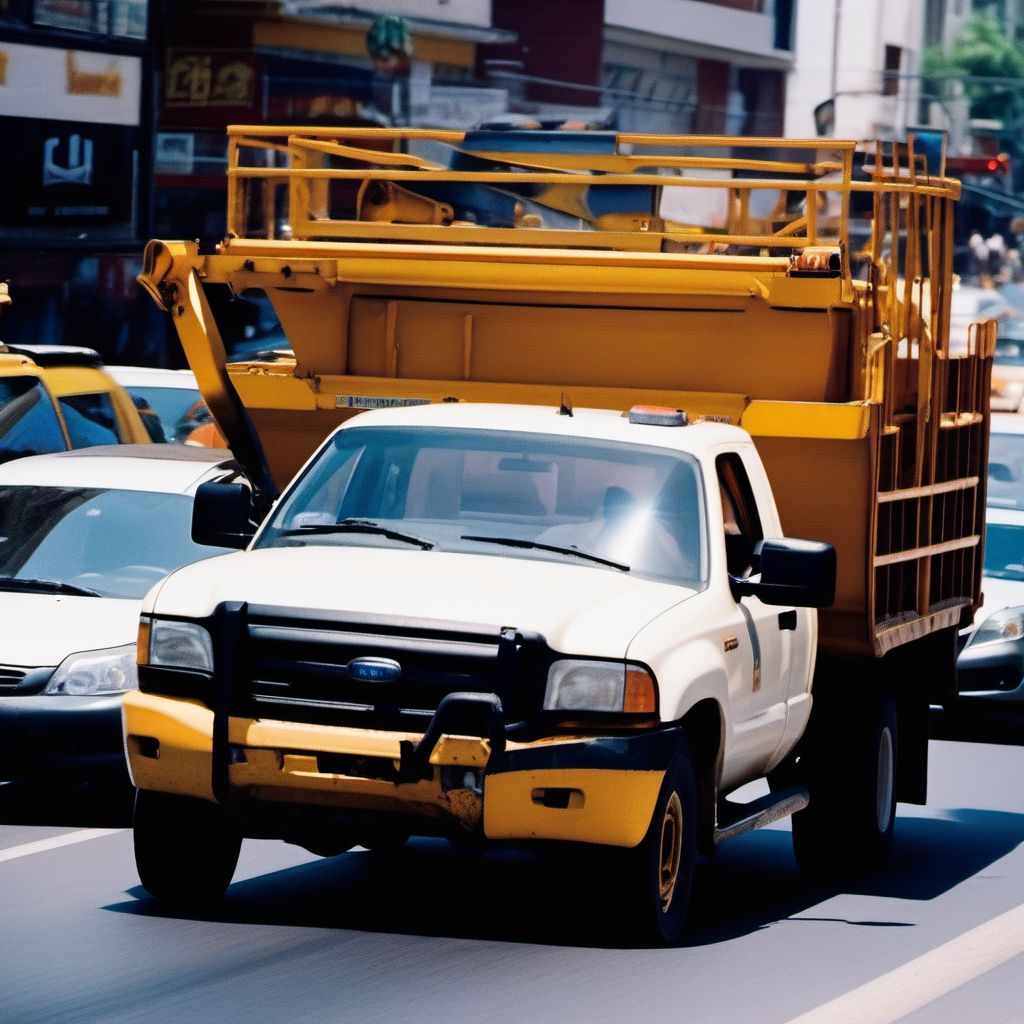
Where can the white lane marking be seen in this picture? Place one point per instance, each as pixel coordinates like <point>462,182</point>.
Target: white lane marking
<point>42,845</point>
<point>900,992</point>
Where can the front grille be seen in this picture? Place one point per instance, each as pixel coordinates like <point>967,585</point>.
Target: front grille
<point>11,677</point>
<point>294,670</point>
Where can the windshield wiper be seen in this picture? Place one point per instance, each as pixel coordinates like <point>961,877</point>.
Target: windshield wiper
<point>519,542</point>
<point>45,587</point>
<point>360,526</point>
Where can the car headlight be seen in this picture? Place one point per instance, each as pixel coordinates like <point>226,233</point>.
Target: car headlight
<point>94,672</point>
<point>176,645</point>
<point>1005,624</point>
<point>579,685</point>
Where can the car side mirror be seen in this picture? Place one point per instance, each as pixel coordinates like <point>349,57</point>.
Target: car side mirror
<point>221,515</point>
<point>798,573</point>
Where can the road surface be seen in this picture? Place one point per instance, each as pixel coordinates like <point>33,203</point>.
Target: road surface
<point>440,933</point>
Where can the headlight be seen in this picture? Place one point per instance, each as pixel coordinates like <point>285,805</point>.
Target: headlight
<point>92,672</point>
<point>600,686</point>
<point>1006,624</point>
<point>179,645</point>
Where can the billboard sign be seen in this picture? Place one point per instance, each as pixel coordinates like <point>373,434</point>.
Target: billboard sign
<point>66,174</point>
<point>210,88</point>
<point>47,82</point>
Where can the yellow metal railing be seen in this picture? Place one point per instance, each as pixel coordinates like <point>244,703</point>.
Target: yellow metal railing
<point>367,184</point>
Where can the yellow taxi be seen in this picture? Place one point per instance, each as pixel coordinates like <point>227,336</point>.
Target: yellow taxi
<point>57,397</point>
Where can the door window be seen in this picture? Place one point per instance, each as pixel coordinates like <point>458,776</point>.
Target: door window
<point>739,513</point>
<point>90,419</point>
<point>28,421</point>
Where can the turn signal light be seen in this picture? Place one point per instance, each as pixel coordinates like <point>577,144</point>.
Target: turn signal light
<point>142,652</point>
<point>640,697</point>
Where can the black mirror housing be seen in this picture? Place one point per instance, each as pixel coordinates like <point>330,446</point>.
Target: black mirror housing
<point>797,573</point>
<point>221,515</point>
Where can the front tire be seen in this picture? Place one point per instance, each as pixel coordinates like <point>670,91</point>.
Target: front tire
<point>186,850</point>
<point>850,772</point>
<point>659,872</point>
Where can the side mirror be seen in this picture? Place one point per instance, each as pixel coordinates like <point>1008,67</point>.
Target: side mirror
<point>220,515</point>
<point>799,573</point>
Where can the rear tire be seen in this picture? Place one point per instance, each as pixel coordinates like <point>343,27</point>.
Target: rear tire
<point>658,874</point>
<point>850,772</point>
<point>186,850</point>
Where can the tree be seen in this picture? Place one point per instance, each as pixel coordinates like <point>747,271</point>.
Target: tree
<point>983,51</point>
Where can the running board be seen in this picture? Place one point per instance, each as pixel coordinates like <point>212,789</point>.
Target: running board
<point>735,819</point>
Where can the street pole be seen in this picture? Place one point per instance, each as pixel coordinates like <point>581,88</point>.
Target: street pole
<point>835,48</point>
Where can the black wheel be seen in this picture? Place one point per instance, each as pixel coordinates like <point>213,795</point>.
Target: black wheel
<point>659,872</point>
<point>186,850</point>
<point>850,772</point>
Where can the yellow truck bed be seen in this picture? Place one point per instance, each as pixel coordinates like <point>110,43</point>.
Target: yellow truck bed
<point>799,289</point>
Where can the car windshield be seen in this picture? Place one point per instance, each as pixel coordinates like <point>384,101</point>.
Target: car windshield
<point>1004,551</point>
<point>1006,471</point>
<point>577,500</point>
<point>169,404</point>
<point>1009,352</point>
<point>113,542</point>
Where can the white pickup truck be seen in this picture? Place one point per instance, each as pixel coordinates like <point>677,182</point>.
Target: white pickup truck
<point>507,622</point>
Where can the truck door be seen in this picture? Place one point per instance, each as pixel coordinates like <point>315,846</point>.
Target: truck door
<point>759,671</point>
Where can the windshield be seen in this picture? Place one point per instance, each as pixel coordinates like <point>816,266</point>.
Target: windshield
<point>1009,352</point>
<point>1004,551</point>
<point>1006,471</point>
<point>116,543</point>
<point>169,404</point>
<point>577,500</point>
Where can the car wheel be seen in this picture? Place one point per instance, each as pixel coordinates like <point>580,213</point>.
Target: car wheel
<point>186,850</point>
<point>658,873</point>
<point>847,828</point>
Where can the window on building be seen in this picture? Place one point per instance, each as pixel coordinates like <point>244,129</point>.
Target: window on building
<point>890,79</point>
<point>783,24</point>
<point>125,18</point>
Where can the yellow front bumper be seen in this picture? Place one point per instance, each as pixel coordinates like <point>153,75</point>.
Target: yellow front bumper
<point>579,789</point>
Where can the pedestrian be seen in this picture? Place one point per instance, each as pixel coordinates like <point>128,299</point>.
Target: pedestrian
<point>979,254</point>
<point>996,245</point>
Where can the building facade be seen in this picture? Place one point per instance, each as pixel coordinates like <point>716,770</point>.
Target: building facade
<point>680,66</point>
<point>713,66</point>
<point>75,110</point>
<point>856,68</point>
<point>300,62</point>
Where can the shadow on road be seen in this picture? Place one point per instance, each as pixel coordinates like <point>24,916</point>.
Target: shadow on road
<point>32,804</point>
<point>436,889</point>
<point>978,726</point>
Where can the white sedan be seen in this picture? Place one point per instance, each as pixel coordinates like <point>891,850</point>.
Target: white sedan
<point>83,536</point>
<point>171,396</point>
<point>991,665</point>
